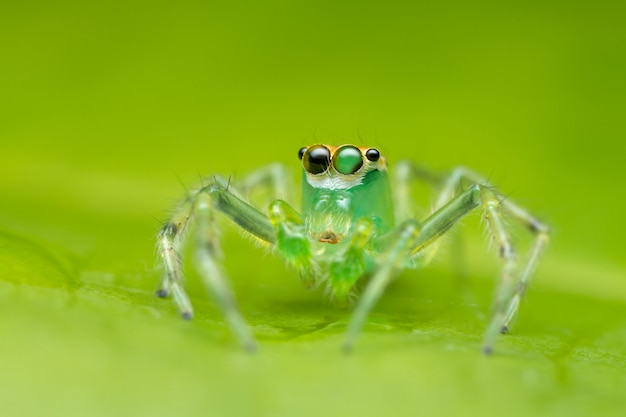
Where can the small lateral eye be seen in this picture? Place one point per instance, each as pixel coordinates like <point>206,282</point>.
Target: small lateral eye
<point>301,152</point>
<point>316,159</point>
<point>372,154</point>
<point>348,160</point>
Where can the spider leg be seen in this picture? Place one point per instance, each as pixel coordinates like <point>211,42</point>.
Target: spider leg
<point>201,207</point>
<point>345,270</point>
<point>450,213</point>
<point>505,288</point>
<point>405,173</point>
<point>292,241</point>
<point>169,241</point>
<point>275,176</point>
<point>403,239</point>
<point>542,237</point>
<point>495,204</point>
<point>398,246</point>
<point>494,207</point>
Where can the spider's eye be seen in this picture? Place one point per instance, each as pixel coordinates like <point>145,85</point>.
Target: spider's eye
<point>372,154</point>
<point>301,153</point>
<point>316,159</point>
<point>348,160</point>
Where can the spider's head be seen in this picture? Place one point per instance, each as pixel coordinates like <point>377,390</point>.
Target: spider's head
<point>339,167</point>
<point>342,184</point>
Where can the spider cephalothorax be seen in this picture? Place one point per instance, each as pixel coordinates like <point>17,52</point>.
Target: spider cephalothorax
<point>340,185</point>
<point>350,226</point>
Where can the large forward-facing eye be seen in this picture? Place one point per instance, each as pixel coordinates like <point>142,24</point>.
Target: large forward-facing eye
<point>348,160</point>
<point>316,159</point>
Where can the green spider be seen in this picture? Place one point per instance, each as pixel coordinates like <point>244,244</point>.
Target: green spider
<point>347,230</point>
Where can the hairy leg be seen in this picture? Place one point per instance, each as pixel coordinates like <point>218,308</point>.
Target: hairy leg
<point>201,207</point>
<point>404,237</point>
<point>511,288</point>
<point>494,207</point>
<point>345,271</point>
<point>292,241</point>
<point>397,246</point>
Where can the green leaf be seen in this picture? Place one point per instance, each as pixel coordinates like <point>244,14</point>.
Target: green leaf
<point>102,344</point>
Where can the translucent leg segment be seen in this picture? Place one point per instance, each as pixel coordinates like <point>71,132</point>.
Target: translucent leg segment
<point>168,242</point>
<point>511,288</point>
<point>407,233</point>
<point>445,217</point>
<point>347,269</point>
<point>206,257</point>
<point>292,241</point>
<point>405,174</point>
<point>274,177</point>
<point>201,206</point>
<point>408,239</point>
<point>504,289</point>
<point>541,242</point>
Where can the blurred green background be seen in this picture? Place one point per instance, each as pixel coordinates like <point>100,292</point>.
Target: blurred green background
<point>105,109</point>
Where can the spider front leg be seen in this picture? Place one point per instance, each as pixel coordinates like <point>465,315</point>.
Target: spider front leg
<point>399,245</point>
<point>292,241</point>
<point>344,271</point>
<point>169,240</point>
<point>202,206</point>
